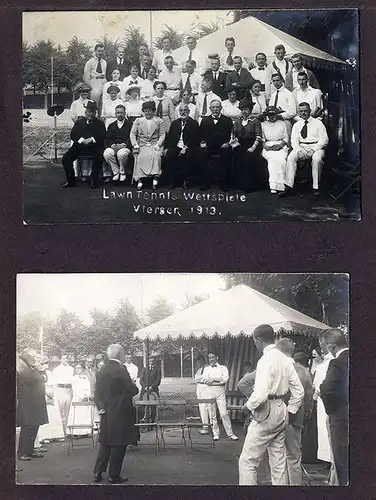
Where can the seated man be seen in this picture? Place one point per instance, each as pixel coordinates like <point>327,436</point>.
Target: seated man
<point>308,141</point>
<point>180,148</point>
<point>215,133</point>
<point>240,78</point>
<point>88,136</point>
<point>118,144</point>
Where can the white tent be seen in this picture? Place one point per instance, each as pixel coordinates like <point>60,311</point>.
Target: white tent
<point>235,312</point>
<point>253,36</point>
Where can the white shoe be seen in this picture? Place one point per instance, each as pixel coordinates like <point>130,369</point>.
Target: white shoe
<point>216,438</point>
<point>273,191</point>
<point>203,431</point>
<point>155,183</point>
<point>233,437</point>
<point>115,178</point>
<point>139,185</point>
<point>122,177</point>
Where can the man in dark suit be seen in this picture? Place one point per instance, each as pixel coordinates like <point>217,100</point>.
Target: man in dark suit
<point>180,148</point>
<point>88,136</point>
<point>113,397</point>
<point>145,63</point>
<point>240,78</point>
<point>154,379</point>
<point>334,392</point>
<point>215,134</point>
<point>118,144</point>
<point>217,77</point>
<point>119,63</point>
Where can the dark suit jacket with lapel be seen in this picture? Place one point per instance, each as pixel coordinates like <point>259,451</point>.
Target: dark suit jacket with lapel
<point>116,135</point>
<point>191,134</point>
<point>215,134</point>
<point>94,129</point>
<point>334,390</point>
<point>243,81</point>
<point>114,390</point>
<point>312,80</point>
<point>154,378</point>
<point>111,65</point>
<point>219,85</point>
<point>31,395</point>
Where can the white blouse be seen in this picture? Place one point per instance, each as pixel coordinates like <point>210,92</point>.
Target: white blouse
<point>260,104</point>
<point>231,109</point>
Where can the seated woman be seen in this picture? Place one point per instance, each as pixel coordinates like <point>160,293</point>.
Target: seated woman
<point>109,105</point>
<point>164,106</point>
<point>115,80</point>
<point>78,106</point>
<point>259,100</point>
<point>249,171</point>
<point>275,140</point>
<point>133,105</point>
<point>230,106</point>
<point>81,415</point>
<point>130,81</point>
<point>147,87</point>
<point>186,98</point>
<point>147,137</point>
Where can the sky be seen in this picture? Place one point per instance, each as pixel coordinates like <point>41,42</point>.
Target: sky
<point>60,27</point>
<point>49,293</point>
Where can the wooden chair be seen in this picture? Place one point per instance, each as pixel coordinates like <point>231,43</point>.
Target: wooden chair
<point>76,425</point>
<point>168,421</point>
<point>194,422</point>
<point>145,405</point>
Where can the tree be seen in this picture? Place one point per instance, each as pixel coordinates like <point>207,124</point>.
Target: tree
<point>132,40</point>
<point>78,53</point>
<point>28,331</point>
<point>161,309</point>
<point>176,38</point>
<point>110,46</point>
<point>205,29</point>
<point>69,333</point>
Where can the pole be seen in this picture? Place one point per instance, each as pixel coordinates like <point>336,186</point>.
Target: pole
<point>192,363</point>
<point>55,136</point>
<point>151,29</point>
<point>52,80</point>
<point>181,361</point>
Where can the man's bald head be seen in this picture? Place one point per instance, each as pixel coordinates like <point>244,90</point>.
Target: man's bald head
<point>286,346</point>
<point>335,340</point>
<point>116,351</point>
<point>30,355</point>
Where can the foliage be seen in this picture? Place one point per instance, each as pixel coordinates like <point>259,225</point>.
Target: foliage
<point>78,52</point>
<point>176,38</point>
<point>110,46</point>
<point>204,29</point>
<point>132,40</point>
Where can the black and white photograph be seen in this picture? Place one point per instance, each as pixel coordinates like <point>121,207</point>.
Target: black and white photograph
<point>190,116</point>
<point>182,379</point>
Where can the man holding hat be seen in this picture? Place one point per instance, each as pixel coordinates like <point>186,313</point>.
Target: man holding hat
<point>118,144</point>
<point>88,136</point>
<point>78,106</point>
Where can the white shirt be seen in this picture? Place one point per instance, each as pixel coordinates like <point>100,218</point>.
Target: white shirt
<point>108,110</point>
<point>284,66</point>
<point>63,374</point>
<point>133,108</point>
<point>274,132</point>
<point>132,369</point>
<point>80,387</point>
<point>200,59</point>
<point>265,77</point>
<point>128,82</point>
<point>275,376</point>
<point>218,372</point>
<point>120,124</point>
<point>231,109</point>
<point>230,67</point>
<point>286,101</point>
<point>147,89</point>
<point>260,104</point>
<point>316,134</point>
<point>195,80</point>
<point>159,57</point>
<point>310,95</point>
<point>320,372</point>
<point>78,108</point>
<point>193,113</point>
<point>171,78</point>
<point>210,96</point>
<point>341,351</point>
<point>90,70</point>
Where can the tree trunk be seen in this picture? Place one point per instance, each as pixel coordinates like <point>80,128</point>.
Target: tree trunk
<point>46,99</point>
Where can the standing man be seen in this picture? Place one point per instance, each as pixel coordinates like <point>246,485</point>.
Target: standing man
<point>282,99</point>
<point>145,64</point>
<point>113,398</point>
<point>191,80</point>
<point>63,376</point>
<point>293,434</point>
<point>95,73</point>
<point>143,50</point>
<point>308,141</point>
<point>31,403</point>
<point>239,78</point>
<point>215,376</point>
<point>305,93</point>
<point>153,382</point>
<point>193,54</point>
<point>291,80</point>
<point>263,73</point>
<point>131,367</point>
<point>91,373</point>
<point>118,144</point>
<point>171,75</point>
<point>205,99</point>
<point>160,55</point>
<point>88,136</point>
<point>275,376</point>
<point>335,395</point>
<point>117,63</point>
<point>280,64</point>
<point>217,77</point>
<point>227,59</point>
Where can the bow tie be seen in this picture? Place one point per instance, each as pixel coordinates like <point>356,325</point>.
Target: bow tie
<point>134,83</point>
<point>214,366</point>
<point>261,69</point>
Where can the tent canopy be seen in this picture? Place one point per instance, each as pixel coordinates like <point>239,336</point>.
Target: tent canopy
<point>253,36</point>
<point>235,312</point>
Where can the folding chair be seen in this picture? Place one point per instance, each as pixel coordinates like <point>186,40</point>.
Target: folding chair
<point>194,422</point>
<point>166,421</point>
<point>148,404</point>
<point>76,425</point>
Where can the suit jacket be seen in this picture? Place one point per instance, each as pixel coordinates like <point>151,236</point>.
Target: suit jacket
<point>116,135</point>
<point>113,393</point>
<point>215,134</point>
<point>307,405</point>
<point>243,81</point>
<point>219,85</point>
<point>312,80</point>
<point>154,378</point>
<point>94,129</point>
<point>31,395</point>
<point>191,134</point>
<point>112,64</point>
<point>334,390</point>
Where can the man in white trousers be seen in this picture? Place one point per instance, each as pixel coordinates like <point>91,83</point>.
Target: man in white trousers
<point>215,376</point>
<point>275,377</point>
<point>63,376</point>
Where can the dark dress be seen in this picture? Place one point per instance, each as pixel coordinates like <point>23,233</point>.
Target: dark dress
<point>250,169</point>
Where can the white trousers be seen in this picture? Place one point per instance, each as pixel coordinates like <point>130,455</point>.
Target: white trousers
<point>117,160</point>
<point>302,154</point>
<point>64,400</point>
<point>268,435</point>
<point>276,167</point>
<point>219,394</point>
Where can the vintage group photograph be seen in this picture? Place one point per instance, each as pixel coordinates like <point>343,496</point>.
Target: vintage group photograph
<point>191,116</point>
<point>182,379</point>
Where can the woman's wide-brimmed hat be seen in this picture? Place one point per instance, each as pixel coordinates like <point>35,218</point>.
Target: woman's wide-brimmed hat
<point>272,111</point>
<point>133,87</point>
<point>113,87</point>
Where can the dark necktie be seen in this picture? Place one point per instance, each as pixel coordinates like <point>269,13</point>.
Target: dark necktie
<point>190,56</point>
<point>144,74</point>
<point>188,85</point>
<point>276,99</point>
<point>205,106</point>
<point>160,109</point>
<point>133,83</point>
<point>215,75</point>
<point>304,130</point>
<point>229,60</point>
<point>99,66</point>
<point>120,62</point>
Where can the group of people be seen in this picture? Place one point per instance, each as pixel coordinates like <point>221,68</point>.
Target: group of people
<point>203,120</point>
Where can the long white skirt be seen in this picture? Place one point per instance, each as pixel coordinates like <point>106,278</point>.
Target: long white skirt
<point>276,167</point>
<point>54,428</point>
<point>324,451</point>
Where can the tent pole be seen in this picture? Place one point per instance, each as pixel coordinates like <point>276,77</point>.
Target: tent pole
<point>147,367</point>
<point>192,363</point>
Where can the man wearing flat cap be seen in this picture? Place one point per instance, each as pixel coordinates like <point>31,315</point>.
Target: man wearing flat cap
<point>88,136</point>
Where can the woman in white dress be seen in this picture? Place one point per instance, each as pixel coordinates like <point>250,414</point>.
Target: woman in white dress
<point>81,415</point>
<point>133,104</point>
<point>54,429</point>
<point>186,98</point>
<point>259,100</point>
<point>109,105</point>
<point>147,87</point>
<point>230,106</point>
<point>147,137</point>
<point>275,151</point>
<point>115,80</point>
